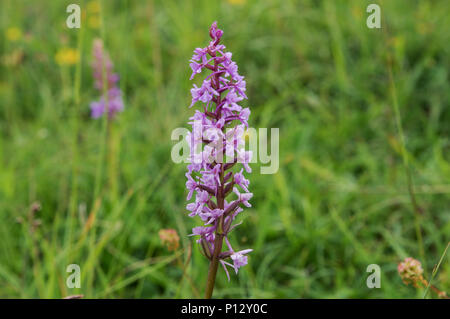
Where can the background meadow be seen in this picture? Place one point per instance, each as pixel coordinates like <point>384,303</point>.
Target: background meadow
<point>364,118</point>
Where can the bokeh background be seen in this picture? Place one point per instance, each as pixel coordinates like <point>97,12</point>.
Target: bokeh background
<point>364,120</point>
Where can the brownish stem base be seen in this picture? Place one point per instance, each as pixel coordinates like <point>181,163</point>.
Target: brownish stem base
<point>213,266</point>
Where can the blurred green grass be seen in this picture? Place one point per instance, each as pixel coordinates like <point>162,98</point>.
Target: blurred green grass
<point>338,203</point>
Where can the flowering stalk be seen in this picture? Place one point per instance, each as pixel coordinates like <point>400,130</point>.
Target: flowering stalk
<point>106,83</point>
<point>110,102</point>
<point>218,129</point>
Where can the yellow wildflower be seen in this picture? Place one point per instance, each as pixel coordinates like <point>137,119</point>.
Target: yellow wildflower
<point>93,6</point>
<point>13,34</point>
<point>236,2</point>
<point>67,56</point>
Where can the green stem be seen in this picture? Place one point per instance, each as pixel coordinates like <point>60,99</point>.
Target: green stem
<point>103,144</point>
<point>409,181</point>
<point>75,124</point>
<point>435,270</point>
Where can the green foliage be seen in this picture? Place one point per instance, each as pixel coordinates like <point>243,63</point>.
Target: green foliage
<point>338,203</point>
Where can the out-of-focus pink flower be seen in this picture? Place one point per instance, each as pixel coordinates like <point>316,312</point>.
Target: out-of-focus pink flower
<point>111,96</point>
